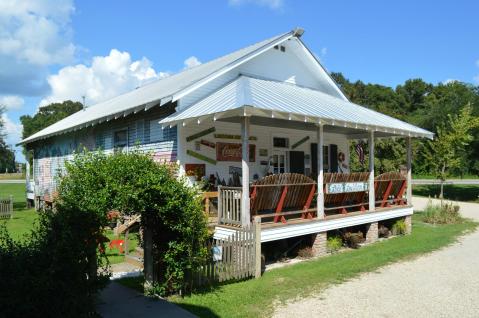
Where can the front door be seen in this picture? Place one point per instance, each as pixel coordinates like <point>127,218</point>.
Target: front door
<point>296,162</point>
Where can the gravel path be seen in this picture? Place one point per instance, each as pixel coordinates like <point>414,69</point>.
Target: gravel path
<point>441,284</point>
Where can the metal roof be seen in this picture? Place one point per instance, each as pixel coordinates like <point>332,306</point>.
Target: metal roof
<point>266,98</point>
<point>158,92</point>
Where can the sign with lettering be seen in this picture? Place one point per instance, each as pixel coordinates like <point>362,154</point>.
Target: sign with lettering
<point>217,252</point>
<point>346,187</point>
<point>232,152</point>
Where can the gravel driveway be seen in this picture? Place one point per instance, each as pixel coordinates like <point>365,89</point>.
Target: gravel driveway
<point>441,284</point>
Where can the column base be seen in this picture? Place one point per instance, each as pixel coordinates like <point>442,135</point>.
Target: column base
<point>319,244</point>
<point>372,233</point>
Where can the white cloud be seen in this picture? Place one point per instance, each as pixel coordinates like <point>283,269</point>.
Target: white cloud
<point>192,61</point>
<point>106,77</point>
<point>12,131</point>
<point>11,102</point>
<point>324,51</point>
<point>33,35</point>
<point>272,4</point>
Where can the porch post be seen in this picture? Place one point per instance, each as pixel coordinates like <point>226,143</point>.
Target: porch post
<point>245,212</point>
<point>409,170</point>
<point>372,195</point>
<point>320,198</point>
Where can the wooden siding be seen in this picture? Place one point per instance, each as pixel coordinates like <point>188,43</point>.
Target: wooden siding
<point>144,134</point>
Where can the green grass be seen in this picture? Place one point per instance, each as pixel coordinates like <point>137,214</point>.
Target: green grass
<point>17,190</point>
<point>430,177</point>
<point>254,298</point>
<point>466,193</point>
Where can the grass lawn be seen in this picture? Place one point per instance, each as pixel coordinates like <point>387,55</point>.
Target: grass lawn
<point>256,297</point>
<point>18,192</point>
<point>466,193</point>
<point>430,177</point>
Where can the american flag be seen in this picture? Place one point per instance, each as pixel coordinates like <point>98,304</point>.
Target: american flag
<point>360,152</point>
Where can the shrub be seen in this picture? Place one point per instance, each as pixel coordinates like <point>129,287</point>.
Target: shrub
<point>445,213</point>
<point>334,243</point>
<point>399,227</point>
<point>383,231</point>
<point>171,212</point>
<point>353,239</point>
<point>305,252</point>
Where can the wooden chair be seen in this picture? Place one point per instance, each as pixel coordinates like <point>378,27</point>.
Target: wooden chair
<point>389,189</point>
<point>281,195</point>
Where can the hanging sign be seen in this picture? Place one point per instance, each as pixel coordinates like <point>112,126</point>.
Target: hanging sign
<point>237,137</point>
<point>232,152</point>
<point>200,156</point>
<point>217,252</point>
<point>346,187</point>
<point>201,134</point>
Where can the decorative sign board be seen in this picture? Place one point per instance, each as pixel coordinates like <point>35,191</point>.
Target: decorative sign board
<point>201,134</point>
<point>300,142</point>
<point>208,143</point>
<point>236,137</point>
<point>200,156</point>
<point>232,152</point>
<point>263,152</point>
<point>346,187</point>
<point>217,252</point>
<point>233,170</point>
<point>195,169</point>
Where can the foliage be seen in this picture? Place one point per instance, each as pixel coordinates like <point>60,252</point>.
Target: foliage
<point>134,184</point>
<point>7,156</point>
<point>468,193</point>
<point>253,298</point>
<point>353,239</point>
<point>305,252</point>
<point>419,103</point>
<point>399,227</point>
<point>55,270</point>
<point>334,244</point>
<point>448,150</point>
<point>445,213</point>
<point>48,115</point>
<point>383,231</point>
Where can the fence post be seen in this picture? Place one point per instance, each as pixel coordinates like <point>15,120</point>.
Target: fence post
<point>257,244</point>
<point>148,256</point>
<point>220,204</point>
<point>11,206</point>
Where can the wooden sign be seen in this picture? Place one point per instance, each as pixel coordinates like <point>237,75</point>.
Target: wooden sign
<point>208,143</point>
<point>201,134</point>
<point>300,142</point>
<point>236,137</point>
<point>200,156</point>
<point>195,169</point>
<point>232,152</point>
<point>346,187</point>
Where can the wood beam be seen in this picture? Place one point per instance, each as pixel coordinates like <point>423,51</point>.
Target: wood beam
<point>245,204</point>
<point>372,195</point>
<point>320,199</point>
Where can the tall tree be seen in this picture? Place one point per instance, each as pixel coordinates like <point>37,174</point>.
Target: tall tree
<point>7,156</point>
<point>447,151</point>
<point>48,115</point>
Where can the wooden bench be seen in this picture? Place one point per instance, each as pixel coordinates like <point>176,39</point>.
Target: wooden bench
<point>389,189</point>
<point>281,195</point>
<point>343,201</point>
<point>6,208</point>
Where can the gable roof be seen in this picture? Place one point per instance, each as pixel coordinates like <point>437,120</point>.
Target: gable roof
<point>267,98</point>
<point>159,92</point>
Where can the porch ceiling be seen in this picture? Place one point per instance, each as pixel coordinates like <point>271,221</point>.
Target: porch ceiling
<point>280,104</point>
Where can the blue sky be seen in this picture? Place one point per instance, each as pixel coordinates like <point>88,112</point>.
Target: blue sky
<point>55,50</point>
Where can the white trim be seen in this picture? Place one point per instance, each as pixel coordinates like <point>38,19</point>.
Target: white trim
<point>317,226</point>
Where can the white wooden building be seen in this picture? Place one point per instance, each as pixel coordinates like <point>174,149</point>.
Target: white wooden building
<point>269,108</point>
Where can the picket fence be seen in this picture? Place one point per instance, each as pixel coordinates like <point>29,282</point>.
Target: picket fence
<point>6,208</point>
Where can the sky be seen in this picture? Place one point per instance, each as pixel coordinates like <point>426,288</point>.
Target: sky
<point>54,50</point>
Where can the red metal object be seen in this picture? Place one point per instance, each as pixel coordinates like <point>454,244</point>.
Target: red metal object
<point>254,193</point>
<point>400,194</point>
<point>309,215</point>
<point>118,244</point>
<point>386,194</point>
<point>279,208</point>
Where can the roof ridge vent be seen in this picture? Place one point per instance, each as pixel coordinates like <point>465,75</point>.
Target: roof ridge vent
<point>298,32</point>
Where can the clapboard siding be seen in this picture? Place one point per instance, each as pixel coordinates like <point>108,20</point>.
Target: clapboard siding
<point>50,155</point>
<point>264,140</point>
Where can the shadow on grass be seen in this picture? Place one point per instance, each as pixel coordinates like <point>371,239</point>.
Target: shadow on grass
<point>466,193</point>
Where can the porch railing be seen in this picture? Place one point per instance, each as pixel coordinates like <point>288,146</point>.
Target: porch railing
<point>229,205</point>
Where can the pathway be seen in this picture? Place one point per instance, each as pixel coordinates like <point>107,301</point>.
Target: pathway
<point>441,284</point>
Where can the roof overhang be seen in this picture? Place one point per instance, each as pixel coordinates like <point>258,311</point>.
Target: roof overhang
<point>275,103</point>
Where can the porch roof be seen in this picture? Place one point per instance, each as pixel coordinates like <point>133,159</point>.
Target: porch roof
<point>248,96</point>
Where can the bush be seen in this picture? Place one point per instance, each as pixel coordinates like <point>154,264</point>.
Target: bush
<point>334,243</point>
<point>383,231</point>
<point>353,239</point>
<point>399,227</point>
<point>445,213</point>
<point>171,212</point>
<point>305,252</point>
<point>52,272</point>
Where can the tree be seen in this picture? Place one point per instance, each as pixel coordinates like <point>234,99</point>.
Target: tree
<point>48,115</point>
<point>7,156</point>
<point>447,151</point>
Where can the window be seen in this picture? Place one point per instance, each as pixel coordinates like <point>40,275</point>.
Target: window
<point>120,139</point>
<point>279,142</point>
<point>156,131</point>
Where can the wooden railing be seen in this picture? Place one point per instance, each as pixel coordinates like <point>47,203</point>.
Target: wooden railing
<point>229,205</point>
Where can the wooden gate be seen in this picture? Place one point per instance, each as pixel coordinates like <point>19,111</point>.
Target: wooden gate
<point>6,208</point>
<point>231,258</point>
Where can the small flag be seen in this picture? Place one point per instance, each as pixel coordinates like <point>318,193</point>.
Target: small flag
<point>360,152</point>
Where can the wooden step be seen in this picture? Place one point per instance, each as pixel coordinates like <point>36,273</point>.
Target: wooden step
<point>123,227</point>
